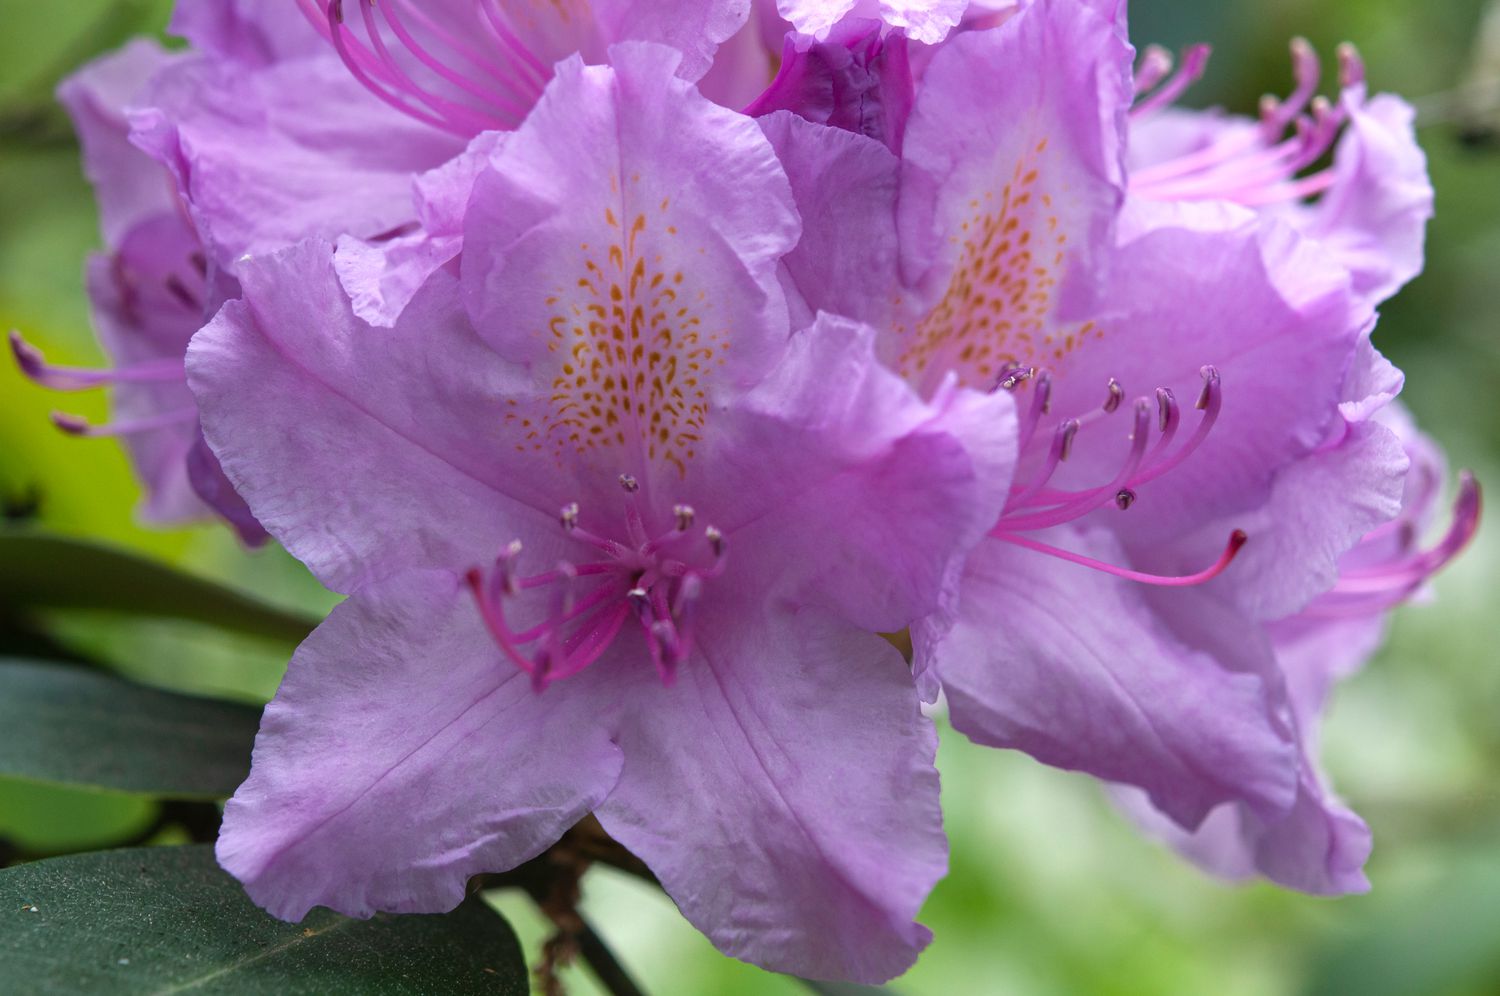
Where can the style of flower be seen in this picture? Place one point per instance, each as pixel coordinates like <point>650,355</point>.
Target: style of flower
<point>1187,374</point>
<point>149,292</point>
<point>701,520</point>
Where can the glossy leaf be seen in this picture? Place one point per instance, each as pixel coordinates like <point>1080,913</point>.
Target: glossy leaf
<point>49,572</point>
<point>167,919</point>
<point>74,726</point>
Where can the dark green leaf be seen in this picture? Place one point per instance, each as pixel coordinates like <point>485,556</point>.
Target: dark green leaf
<point>74,726</point>
<point>844,988</point>
<point>40,571</point>
<point>168,920</point>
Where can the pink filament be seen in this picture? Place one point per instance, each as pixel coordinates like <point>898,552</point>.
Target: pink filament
<point>1237,540</point>
<point>659,589</point>
<point>1254,167</point>
<point>36,369</point>
<point>1033,506</point>
<point>510,63</point>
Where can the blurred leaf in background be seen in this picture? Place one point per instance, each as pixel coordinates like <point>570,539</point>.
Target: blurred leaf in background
<point>1050,891</point>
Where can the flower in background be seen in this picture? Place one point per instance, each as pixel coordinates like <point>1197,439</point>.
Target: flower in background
<point>149,292</point>
<point>1321,839</point>
<point>701,520</point>
<point>1369,207</point>
<point>1188,372</point>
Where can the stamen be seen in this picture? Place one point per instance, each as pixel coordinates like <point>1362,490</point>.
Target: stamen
<point>1256,166</point>
<point>1155,66</point>
<point>35,367</point>
<point>1116,396</point>
<point>1194,62</point>
<point>73,425</point>
<point>1237,540</point>
<point>659,587</point>
<point>499,78</point>
<point>1035,506</point>
<point>1403,576</point>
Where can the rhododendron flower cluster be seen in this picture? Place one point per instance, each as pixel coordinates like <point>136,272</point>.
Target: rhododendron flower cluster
<point>632,367</point>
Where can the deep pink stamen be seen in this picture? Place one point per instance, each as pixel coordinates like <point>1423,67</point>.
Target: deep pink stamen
<point>1257,166</point>
<point>658,581</point>
<point>1237,540</point>
<point>1371,590</point>
<point>427,64</point>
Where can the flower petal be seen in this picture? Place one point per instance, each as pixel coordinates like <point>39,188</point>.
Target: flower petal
<point>403,755</point>
<point>846,188</point>
<point>129,185</point>
<point>1012,179</point>
<point>313,171</point>
<point>624,246</point>
<point>363,450</point>
<point>838,485</point>
<point>1079,670</point>
<point>1375,216</point>
<point>251,32</point>
<point>382,276</point>
<point>784,793</point>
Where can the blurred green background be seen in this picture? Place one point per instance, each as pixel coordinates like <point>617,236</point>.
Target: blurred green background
<point>1050,892</point>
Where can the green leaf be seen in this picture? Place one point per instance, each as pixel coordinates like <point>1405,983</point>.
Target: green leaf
<point>168,920</point>
<point>74,726</point>
<point>40,571</point>
<point>42,819</point>
<point>844,988</point>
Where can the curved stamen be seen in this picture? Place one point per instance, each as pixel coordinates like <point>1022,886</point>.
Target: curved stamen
<point>1155,65</point>
<point>494,72</point>
<point>658,581</point>
<point>1237,540</point>
<point>34,367</point>
<point>1373,590</point>
<point>74,425</point>
<point>1255,166</point>
<point>1075,504</point>
<point>1194,63</point>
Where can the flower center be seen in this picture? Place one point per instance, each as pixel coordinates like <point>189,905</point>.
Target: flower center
<point>655,581</point>
<point>1254,164</point>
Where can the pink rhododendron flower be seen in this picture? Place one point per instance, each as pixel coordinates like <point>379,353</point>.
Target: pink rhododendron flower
<point>1370,208</point>
<point>701,518</point>
<point>1187,374</point>
<point>1321,845</point>
<point>149,292</point>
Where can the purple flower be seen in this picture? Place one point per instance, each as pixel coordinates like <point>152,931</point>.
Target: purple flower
<point>1320,845</point>
<point>858,79</point>
<point>347,104</point>
<point>1372,203</point>
<point>1187,375</point>
<point>149,292</point>
<point>700,520</point>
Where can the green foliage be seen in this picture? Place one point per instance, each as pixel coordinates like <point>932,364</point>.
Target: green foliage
<point>167,920</point>
<point>69,725</point>
<point>41,571</point>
